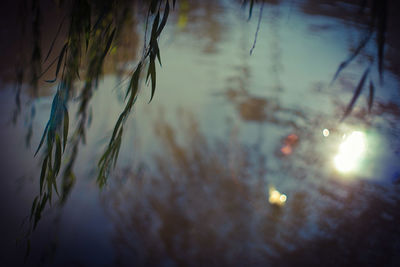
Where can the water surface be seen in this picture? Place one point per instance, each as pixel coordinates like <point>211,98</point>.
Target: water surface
<point>197,164</point>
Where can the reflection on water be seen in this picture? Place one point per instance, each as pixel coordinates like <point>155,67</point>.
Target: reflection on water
<point>351,151</point>
<point>213,202</point>
<point>200,194</point>
<point>233,161</point>
<point>275,197</point>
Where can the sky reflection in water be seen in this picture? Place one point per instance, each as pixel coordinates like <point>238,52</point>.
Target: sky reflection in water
<point>228,165</point>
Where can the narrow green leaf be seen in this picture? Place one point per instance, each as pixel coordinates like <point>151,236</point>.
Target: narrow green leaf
<point>90,117</point>
<point>55,38</point>
<point>100,19</point>
<point>60,59</point>
<point>66,126</point>
<point>149,70</point>
<point>50,178</point>
<point>164,19</point>
<point>109,41</point>
<point>157,52</point>
<point>43,174</point>
<point>134,83</point>
<point>57,159</point>
<point>103,158</point>
<point>153,80</point>
<point>117,125</point>
<point>154,28</point>
<point>117,147</point>
<point>33,207</point>
<point>42,139</point>
<point>50,156</point>
<point>55,187</point>
<point>43,202</point>
<point>39,210</point>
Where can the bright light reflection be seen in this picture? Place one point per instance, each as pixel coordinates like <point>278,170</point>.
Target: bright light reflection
<point>276,198</point>
<point>325,132</point>
<point>350,152</point>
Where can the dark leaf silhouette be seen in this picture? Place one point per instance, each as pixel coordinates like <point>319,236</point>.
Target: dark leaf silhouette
<point>60,59</point>
<point>57,159</point>
<point>155,28</point>
<point>164,19</point>
<point>153,6</point>
<point>134,83</point>
<point>110,39</point>
<point>99,19</point>
<point>381,35</point>
<point>43,174</point>
<point>356,94</point>
<point>345,63</point>
<point>43,137</point>
<point>33,206</point>
<point>54,40</point>
<point>66,125</point>
<point>251,9</point>
<point>371,95</point>
<point>152,73</point>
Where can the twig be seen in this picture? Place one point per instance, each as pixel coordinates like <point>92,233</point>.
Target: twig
<point>258,28</point>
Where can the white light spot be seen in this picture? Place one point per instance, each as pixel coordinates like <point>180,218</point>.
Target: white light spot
<point>325,132</point>
<point>350,152</point>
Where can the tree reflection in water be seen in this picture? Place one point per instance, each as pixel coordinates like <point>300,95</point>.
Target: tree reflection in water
<point>205,202</point>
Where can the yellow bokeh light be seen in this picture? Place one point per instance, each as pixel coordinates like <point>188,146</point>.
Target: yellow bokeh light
<point>276,198</point>
<point>350,152</point>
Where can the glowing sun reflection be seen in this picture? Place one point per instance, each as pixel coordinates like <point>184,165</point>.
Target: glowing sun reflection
<point>350,153</point>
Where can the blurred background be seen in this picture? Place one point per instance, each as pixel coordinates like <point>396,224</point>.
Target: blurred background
<point>239,160</point>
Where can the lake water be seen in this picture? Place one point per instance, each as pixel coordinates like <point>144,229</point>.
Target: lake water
<point>198,165</point>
